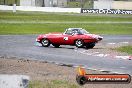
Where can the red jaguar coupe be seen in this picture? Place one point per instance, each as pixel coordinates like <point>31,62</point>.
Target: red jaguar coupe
<point>72,36</point>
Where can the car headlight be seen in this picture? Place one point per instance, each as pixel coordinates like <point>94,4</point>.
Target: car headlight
<point>100,38</point>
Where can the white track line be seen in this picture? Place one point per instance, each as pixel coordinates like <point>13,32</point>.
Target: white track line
<point>111,43</point>
<point>98,54</point>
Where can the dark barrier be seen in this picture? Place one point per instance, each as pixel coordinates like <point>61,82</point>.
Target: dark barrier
<point>106,11</point>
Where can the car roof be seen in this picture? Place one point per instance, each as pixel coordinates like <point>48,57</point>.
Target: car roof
<point>74,28</point>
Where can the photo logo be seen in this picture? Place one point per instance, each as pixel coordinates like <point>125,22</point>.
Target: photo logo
<point>83,78</point>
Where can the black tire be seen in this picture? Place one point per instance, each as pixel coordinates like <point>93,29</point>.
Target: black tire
<point>81,80</point>
<point>56,45</point>
<point>45,42</point>
<point>79,43</point>
<point>90,45</point>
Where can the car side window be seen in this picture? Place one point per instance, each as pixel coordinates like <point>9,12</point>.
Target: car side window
<point>75,31</point>
<point>69,32</point>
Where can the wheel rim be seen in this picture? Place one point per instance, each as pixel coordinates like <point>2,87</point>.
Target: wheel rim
<point>45,42</point>
<point>79,43</point>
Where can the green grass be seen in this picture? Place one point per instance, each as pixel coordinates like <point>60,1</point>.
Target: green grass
<point>38,23</point>
<point>127,49</point>
<point>9,2</point>
<point>88,4</point>
<point>74,4</point>
<point>33,16</point>
<point>77,4</point>
<point>45,28</point>
<point>52,84</point>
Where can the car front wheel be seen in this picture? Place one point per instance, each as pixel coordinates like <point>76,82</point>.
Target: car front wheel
<point>79,43</point>
<point>45,42</point>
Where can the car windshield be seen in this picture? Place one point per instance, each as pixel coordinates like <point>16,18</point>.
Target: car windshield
<point>76,31</point>
<point>83,31</point>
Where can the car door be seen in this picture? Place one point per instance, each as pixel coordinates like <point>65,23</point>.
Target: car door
<point>56,38</point>
<point>68,39</point>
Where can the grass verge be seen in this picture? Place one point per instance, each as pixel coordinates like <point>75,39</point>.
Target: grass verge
<point>39,16</point>
<point>52,84</point>
<point>45,28</point>
<point>127,49</point>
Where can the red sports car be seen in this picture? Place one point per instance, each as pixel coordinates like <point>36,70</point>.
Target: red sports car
<point>72,36</point>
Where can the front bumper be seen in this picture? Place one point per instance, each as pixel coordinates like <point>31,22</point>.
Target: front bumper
<point>99,39</point>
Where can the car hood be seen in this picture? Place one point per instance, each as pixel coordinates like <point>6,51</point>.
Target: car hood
<point>93,36</point>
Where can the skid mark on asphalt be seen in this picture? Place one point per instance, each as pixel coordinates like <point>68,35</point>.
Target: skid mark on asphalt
<point>98,54</point>
<point>95,54</point>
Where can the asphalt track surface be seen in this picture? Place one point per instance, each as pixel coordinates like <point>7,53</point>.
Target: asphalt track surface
<point>24,46</point>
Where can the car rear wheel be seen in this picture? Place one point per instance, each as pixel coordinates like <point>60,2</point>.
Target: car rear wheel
<point>45,42</point>
<point>79,43</point>
<point>56,45</point>
<point>90,45</point>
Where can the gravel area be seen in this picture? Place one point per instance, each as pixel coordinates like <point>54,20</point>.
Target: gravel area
<point>43,71</point>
